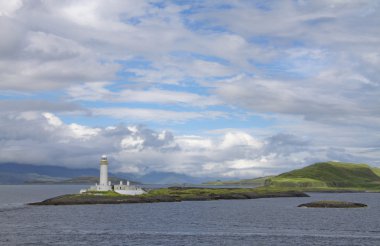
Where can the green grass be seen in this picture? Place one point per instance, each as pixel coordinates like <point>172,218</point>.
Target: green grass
<point>295,182</point>
<point>196,192</point>
<point>330,174</point>
<point>178,192</point>
<point>188,192</point>
<point>376,170</point>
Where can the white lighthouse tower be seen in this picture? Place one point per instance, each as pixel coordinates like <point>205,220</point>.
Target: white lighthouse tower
<point>103,179</point>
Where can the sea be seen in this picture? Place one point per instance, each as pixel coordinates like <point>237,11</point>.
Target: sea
<point>269,221</point>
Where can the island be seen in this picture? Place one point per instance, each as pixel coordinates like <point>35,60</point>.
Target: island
<point>332,204</point>
<point>171,194</point>
<point>320,177</point>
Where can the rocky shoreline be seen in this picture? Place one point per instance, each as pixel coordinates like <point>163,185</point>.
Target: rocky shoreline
<point>174,194</point>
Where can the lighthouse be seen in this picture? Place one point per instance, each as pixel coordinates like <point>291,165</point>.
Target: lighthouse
<point>103,179</point>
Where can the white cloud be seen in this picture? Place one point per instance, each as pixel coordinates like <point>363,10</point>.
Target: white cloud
<point>177,69</point>
<point>157,115</point>
<point>97,91</point>
<point>51,46</point>
<point>52,119</point>
<point>132,143</point>
<point>319,101</point>
<point>232,139</point>
<point>83,13</point>
<point>83,132</point>
<point>7,8</point>
<point>191,143</point>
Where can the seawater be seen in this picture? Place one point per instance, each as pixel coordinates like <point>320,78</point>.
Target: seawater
<point>275,221</point>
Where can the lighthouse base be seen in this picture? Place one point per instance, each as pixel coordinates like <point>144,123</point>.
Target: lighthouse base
<point>100,188</point>
<point>122,189</point>
<point>103,187</point>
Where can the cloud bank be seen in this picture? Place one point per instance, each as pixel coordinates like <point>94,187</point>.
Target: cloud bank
<point>35,137</point>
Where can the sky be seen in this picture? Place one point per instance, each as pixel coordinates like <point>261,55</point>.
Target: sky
<point>224,89</point>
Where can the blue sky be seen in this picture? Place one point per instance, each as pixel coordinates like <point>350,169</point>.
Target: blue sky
<point>208,88</point>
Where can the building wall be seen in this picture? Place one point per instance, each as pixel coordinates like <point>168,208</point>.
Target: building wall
<point>131,192</point>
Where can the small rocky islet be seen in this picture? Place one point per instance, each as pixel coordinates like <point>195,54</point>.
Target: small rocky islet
<point>332,204</point>
<point>172,194</point>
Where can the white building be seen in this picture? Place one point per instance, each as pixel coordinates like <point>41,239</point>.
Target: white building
<point>128,189</point>
<point>105,185</point>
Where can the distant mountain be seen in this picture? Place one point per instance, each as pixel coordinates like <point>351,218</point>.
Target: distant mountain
<point>329,174</point>
<point>52,171</point>
<point>80,180</point>
<point>168,178</point>
<point>14,173</point>
<point>20,178</point>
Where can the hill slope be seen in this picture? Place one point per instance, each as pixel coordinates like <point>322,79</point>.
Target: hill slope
<point>329,174</point>
<point>376,170</point>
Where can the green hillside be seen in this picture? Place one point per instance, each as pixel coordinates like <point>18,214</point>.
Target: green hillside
<point>376,170</point>
<point>329,174</point>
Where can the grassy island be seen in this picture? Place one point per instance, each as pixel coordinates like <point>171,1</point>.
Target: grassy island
<point>332,204</point>
<point>322,177</point>
<point>172,194</point>
<point>330,175</point>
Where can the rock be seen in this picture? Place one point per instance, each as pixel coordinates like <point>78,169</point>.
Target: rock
<point>332,204</point>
